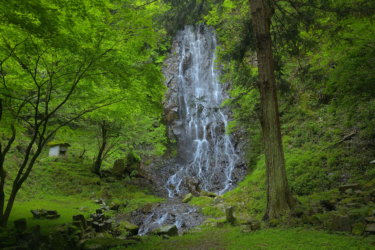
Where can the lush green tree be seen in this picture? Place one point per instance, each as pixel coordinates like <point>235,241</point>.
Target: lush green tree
<point>60,60</point>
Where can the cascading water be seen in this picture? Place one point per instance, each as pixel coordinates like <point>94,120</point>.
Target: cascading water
<point>207,151</point>
<point>206,155</point>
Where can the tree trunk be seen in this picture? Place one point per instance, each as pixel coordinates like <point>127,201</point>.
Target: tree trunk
<point>99,159</point>
<point>279,198</point>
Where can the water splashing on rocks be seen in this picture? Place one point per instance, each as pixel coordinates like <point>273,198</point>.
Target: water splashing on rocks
<point>206,149</point>
<point>207,159</point>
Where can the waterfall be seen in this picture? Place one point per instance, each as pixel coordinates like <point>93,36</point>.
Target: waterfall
<point>197,120</point>
<point>207,153</point>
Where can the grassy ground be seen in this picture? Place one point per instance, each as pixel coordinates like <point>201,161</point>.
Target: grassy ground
<point>233,238</point>
<point>69,187</point>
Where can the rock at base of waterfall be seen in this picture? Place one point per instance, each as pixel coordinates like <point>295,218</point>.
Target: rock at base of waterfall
<point>208,194</point>
<point>188,198</point>
<point>229,213</point>
<point>132,228</point>
<point>170,230</point>
<point>193,186</point>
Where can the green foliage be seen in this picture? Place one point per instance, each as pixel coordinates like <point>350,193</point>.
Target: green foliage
<point>249,198</point>
<point>61,61</point>
<point>324,54</point>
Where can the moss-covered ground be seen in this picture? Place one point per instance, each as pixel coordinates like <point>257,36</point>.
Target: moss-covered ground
<point>233,238</point>
<point>68,186</point>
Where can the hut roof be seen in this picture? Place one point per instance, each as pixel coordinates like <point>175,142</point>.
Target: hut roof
<point>58,143</point>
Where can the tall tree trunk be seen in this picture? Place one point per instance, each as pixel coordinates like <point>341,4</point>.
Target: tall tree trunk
<point>279,198</point>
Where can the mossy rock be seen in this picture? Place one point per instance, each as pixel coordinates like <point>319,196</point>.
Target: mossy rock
<point>170,230</point>
<point>132,228</point>
<point>208,194</point>
<point>188,198</point>
<point>106,243</point>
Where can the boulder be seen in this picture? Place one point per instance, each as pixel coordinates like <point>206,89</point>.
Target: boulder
<point>188,198</point>
<point>45,214</point>
<point>114,207</point>
<point>250,224</point>
<point>79,221</point>
<point>170,230</point>
<point>370,219</point>
<point>132,228</point>
<point>370,228</point>
<point>193,186</point>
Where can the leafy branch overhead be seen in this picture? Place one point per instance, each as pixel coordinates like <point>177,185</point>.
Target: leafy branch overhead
<point>63,60</point>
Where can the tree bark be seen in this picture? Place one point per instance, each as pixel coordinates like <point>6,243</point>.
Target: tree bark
<point>279,197</point>
<point>99,159</point>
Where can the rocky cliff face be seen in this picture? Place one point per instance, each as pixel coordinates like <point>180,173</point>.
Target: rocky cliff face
<point>170,71</point>
<point>196,120</point>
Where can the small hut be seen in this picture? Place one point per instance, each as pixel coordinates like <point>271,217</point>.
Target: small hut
<point>58,148</point>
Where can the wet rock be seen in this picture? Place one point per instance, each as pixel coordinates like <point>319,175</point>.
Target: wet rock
<point>188,198</point>
<point>170,230</point>
<point>193,186</point>
<point>183,215</point>
<point>229,213</point>
<point>20,225</point>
